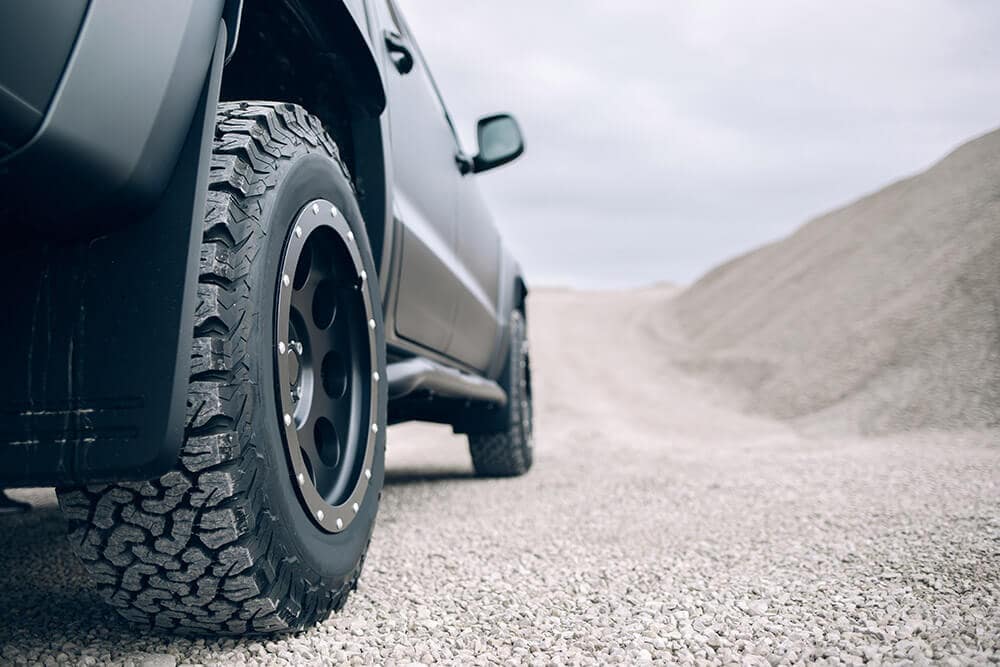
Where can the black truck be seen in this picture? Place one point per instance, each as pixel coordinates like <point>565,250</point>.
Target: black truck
<point>240,240</point>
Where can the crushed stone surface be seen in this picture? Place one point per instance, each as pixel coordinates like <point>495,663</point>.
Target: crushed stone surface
<point>660,524</point>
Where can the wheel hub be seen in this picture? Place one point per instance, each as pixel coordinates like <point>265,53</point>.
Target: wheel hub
<point>295,352</point>
<point>325,358</point>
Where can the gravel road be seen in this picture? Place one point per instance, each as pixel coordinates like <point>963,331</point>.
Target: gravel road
<point>659,524</point>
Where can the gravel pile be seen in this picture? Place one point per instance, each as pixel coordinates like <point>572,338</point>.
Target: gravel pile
<point>880,317</point>
<point>659,525</point>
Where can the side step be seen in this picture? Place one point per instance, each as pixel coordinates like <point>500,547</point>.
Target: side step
<point>419,374</point>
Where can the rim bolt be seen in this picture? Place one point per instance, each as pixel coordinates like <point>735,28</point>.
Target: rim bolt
<point>298,348</point>
<point>364,275</point>
<point>368,473</point>
<point>371,324</point>
<point>334,212</point>
<point>355,508</point>
<point>301,478</point>
<point>376,377</point>
<point>350,236</point>
<point>285,280</point>
<point>282,348</point>
<point>315,209</point>
<point>374,428</point>
<point>340,523</point>
<point>298,231</point>
<point>319,514</point>
<point>288,420</point>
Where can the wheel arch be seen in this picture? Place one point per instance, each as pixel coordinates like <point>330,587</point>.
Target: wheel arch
<point>317,55</point>
<point>513,296</point>
<point>521,294</point>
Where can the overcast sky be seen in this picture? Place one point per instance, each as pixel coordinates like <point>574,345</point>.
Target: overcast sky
<point>664,137</point>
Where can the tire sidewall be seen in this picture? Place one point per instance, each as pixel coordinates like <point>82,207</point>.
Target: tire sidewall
<point>304,178</point>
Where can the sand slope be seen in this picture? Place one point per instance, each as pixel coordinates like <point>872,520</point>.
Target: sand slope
<point>878,317</point>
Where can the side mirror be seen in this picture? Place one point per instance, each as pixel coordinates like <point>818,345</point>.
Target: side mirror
<point>500,142</point>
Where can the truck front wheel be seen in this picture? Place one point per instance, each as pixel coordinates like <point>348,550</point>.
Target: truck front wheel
<point>508,450</point>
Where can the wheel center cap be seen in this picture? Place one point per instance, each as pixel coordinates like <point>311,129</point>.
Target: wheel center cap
<point>295,352</point>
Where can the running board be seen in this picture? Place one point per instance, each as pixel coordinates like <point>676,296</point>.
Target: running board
<point>419,374</point>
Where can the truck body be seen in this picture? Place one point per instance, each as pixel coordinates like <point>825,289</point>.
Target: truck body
<point>105,114</point>
<point>241,239</point>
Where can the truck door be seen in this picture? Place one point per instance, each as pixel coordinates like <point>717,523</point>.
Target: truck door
<point>478,249</point>
<point>425,187</point>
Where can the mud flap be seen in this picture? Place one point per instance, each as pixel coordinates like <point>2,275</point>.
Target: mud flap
<point>98,333</point>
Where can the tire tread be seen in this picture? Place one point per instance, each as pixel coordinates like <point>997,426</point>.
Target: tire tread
<point>198,550</point>
<point>508,451</point>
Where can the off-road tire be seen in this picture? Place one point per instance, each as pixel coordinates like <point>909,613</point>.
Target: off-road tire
<point>508,451</point>
<point>221,544</point>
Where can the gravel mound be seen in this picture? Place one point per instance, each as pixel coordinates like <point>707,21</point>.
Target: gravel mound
<point>879,317</point>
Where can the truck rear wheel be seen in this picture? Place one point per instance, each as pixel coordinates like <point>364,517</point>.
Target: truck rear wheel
<point>264,523</point>
<point>507,451</point>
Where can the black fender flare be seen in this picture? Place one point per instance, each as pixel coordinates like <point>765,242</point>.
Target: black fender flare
<point>120,113</point>
<point>513,296</point>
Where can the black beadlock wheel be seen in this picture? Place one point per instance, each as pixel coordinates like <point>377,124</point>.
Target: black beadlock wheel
<point>326,365</point>
<point>263,525</point>
<point>508,451</point>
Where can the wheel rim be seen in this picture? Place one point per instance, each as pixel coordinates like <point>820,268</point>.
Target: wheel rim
<point>326,366</point>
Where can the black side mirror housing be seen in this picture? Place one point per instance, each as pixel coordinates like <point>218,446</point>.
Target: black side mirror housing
<point>500,142</point>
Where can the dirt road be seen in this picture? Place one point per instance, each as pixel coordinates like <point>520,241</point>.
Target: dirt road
<point>658,524</point>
